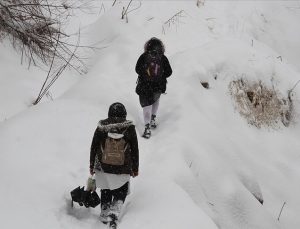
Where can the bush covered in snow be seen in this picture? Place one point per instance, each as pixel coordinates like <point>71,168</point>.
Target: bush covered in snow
<point>32,27</point>
<point>260,105</point>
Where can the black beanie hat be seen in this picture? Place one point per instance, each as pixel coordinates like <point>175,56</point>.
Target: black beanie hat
<point>117,110</point>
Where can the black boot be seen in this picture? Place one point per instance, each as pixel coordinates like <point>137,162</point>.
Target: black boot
<point>147,132</point>
<point>113,221</point>
<point>153,122</point>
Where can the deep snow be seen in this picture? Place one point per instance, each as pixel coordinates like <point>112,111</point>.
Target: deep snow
<point>204,162</point>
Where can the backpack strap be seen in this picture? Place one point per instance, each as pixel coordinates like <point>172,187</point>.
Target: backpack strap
<point>126,145</point>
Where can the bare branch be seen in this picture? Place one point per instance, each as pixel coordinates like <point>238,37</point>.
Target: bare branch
<point>281,211</point>
<point>175,18</point>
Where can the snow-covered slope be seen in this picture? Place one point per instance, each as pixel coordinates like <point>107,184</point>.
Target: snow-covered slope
<point>20,86</point>
<point>204,167</point>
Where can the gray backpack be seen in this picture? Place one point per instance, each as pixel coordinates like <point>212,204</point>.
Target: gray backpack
<point>114,149</point>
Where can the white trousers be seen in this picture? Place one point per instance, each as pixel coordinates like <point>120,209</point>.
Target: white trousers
<point>148,111</point>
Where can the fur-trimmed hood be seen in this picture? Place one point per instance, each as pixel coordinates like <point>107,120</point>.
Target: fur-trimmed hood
<point>105,126</point>
<point>154,43</point>
<point>115,128</point>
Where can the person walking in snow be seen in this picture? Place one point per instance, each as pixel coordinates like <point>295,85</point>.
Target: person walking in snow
<point>153,69</point>
<point>114,157</point>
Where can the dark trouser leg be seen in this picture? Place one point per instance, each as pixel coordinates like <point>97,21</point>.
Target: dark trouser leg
<point>106,201</point>
<point>120,193</point>
<point>106,196</point>
<point>119,196</point>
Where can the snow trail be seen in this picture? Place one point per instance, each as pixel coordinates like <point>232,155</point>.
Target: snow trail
<point>203,167</point>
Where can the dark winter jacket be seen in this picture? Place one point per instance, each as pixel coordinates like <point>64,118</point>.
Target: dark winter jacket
<point>131,163</point>
<point>147,87</point>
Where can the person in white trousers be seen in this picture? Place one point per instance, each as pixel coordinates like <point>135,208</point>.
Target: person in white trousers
<point>153,68</point>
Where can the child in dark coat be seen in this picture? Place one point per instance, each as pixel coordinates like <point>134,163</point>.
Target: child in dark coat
<point>113,176</point>
<point>153,68</point>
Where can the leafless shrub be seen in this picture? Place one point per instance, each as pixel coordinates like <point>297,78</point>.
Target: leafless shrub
<point>174,20</point>
<point>261,106</point>
<point>35,29</point>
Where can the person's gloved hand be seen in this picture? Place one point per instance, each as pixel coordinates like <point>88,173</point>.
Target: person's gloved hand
<point>134,173</point>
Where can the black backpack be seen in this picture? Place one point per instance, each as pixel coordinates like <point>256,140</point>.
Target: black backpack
<point>153,64</point>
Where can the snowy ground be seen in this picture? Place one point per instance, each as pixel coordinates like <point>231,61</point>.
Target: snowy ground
<point>204,164</point>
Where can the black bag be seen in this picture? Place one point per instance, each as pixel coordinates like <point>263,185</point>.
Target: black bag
<point>153,65</point>
<point>86,198</point>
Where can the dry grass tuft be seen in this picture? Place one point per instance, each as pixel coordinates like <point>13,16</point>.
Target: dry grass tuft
<point>261,106</point>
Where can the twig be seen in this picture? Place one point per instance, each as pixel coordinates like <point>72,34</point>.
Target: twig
<point>139,6</point>
<point>163,30</point>
<point>124,11</point>
<point>281,210</point>
<point>210,203</point>
<point>290,91</point>
<point>48,74</point>
<point>151,18</point>
<point>174,18</point>
<point>102,8</point>
<point>295,85</point>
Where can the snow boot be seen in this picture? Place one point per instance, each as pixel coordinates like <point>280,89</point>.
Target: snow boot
<point>113,222</point>
<point>153,122</point>
<point>147,132</point>
<point>113,219</point>
<point>104,213</point>
<point>114,213</point>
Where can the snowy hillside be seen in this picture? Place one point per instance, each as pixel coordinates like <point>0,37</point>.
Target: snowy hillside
<point>205,166</point>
